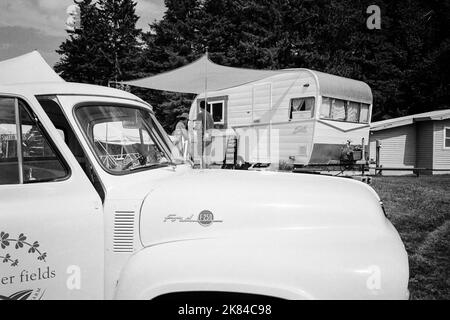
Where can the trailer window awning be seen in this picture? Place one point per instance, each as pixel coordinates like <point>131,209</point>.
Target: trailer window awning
<point>28,68</point>
<point>194,77</point>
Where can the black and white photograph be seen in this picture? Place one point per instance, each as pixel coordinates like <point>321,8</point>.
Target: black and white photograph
<point>223,156</point>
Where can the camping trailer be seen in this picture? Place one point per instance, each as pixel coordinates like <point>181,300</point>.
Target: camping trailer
<point>300,117</point>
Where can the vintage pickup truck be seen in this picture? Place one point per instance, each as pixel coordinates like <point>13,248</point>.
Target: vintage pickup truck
<point>97,203</point>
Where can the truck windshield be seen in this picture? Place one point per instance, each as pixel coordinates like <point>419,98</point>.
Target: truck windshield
<point>126,139</point>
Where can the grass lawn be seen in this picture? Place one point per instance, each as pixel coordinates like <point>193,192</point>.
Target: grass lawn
<point>420,210</point>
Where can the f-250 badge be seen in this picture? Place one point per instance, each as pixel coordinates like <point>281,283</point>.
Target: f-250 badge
<point>205,218</point>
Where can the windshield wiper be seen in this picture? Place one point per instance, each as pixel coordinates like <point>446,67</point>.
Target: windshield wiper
<point>155,165</point>
<point>151,165</point>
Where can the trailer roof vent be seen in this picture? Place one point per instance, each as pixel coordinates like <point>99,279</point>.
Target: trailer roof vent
<point>123,239</point>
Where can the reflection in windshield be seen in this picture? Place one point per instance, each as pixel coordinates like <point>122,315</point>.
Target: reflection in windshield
<point>125,138</point>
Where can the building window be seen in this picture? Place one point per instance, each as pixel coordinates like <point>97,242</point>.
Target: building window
<point>447,138</point>
<point>302,108</point>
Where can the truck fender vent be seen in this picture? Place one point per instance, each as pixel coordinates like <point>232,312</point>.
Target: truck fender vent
<point>123,238</point>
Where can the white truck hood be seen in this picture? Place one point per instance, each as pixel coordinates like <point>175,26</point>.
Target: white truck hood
<point>216,203</point>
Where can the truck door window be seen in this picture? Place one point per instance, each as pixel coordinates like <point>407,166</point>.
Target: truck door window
<point>40,161</point>
<point>9,162</point>
<point>26,149</point>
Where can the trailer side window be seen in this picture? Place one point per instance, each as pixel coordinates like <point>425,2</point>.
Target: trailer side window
<point>325,108</point>
<point>342,110</point>
<point>216,110</point>
<point>352,111</point>
<point>364,114</point>
<point>302,108</point>
<point>338,110</point>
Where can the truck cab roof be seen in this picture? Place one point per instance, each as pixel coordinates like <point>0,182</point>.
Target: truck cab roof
<point>66,88</point>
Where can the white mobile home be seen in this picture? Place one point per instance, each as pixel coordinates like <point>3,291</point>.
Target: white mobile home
<point>297,116</point>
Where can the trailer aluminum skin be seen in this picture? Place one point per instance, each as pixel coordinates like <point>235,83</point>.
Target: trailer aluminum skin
<point>170,228</point>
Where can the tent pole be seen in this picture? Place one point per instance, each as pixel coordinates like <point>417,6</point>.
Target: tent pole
<point>206,110</point>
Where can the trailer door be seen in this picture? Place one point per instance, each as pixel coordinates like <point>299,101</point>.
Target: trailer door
<point>51,231</point>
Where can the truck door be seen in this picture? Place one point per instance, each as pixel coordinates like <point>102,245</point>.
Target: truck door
<point>51,224</point>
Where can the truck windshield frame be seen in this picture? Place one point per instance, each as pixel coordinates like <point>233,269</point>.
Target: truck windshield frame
<point>139,142</point>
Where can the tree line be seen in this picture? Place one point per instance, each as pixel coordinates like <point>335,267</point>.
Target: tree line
<point>406,62</point>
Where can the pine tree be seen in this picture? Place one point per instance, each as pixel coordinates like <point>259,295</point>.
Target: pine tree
<point>82,53</point>
<point>122,52</point>
<point>106,48</point>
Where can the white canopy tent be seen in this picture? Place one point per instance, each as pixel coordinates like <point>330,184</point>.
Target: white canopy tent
<point>200,76</point>
<point>203,75</point>
<point>4,131</point>
<point>115,133</point>
<point>30,67</point>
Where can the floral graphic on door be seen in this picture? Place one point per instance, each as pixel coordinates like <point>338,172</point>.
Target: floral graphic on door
<point>18,243</point>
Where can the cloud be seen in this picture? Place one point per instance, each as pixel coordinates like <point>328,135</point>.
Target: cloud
<point>19,40</point>
<point>40,24</point>
<point>149,11</point>
<point>49,16</point>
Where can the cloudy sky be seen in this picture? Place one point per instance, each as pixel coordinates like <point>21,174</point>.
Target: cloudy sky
<point>27,25</point>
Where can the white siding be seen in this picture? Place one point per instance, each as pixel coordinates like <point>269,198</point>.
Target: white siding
<point>295,140</point>
<point>239,106</point>
<point>441,156</point>
<point>398,148</point>
<point>262,102</point>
